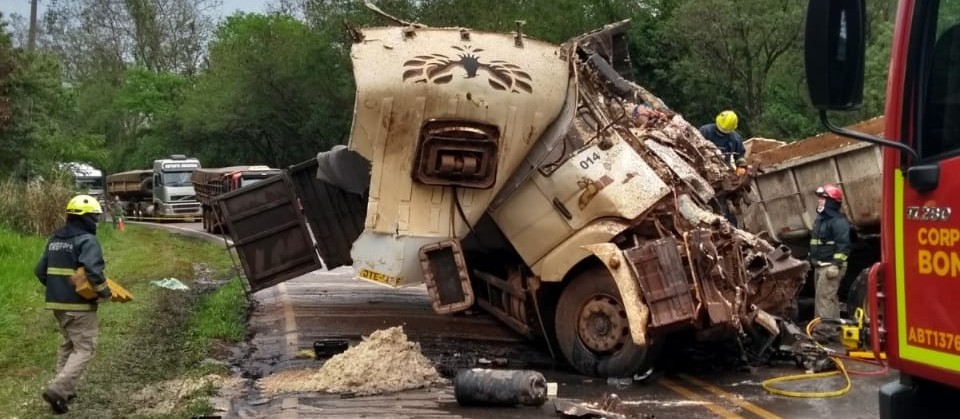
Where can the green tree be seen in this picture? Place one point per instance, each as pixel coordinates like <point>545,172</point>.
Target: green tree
<point>276,92</point>
<point>734,47</point>
<point>34,106</point>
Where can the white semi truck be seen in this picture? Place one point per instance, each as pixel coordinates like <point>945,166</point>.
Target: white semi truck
<point>87,179</point>
<point>166,191</point>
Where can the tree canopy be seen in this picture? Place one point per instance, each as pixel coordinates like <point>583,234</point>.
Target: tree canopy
<point>118,84</point>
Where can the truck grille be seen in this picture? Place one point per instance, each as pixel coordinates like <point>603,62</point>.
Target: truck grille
<point>183,198</point>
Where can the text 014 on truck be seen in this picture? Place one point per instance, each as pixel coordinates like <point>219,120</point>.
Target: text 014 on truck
<point>534,181</point>
<point>914,288</point>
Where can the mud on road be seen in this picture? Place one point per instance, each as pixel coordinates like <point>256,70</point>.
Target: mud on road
<point>288,318</point>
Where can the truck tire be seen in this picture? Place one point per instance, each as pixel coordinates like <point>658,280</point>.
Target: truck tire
<point>592,329</point>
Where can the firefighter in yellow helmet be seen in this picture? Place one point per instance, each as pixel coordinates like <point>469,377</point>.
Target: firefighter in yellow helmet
<point>73,246</point>
<point>723,133</point>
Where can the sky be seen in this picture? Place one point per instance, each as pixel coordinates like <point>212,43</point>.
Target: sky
<point>22,7</point>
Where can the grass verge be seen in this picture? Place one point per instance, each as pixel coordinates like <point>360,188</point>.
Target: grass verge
<point>151,352</point>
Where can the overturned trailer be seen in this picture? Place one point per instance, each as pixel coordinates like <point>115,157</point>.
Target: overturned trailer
<point>532,180</point>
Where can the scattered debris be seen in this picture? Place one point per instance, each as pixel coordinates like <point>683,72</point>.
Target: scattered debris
<point>329,347</point>
<point>170,284</point>
<point>608,407</point>
<point>305,354</point>
<point>619,382</point>
<point>384,362</point>
<point>552,390</point>
<point>163,398</point>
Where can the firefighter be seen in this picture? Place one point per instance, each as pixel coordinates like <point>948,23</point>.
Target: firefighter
<point>72,246</point>
<point>829,249</point>
<point>723,133</point>
<point>116,211</point>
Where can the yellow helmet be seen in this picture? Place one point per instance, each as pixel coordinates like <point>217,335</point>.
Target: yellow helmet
<point>83,204</point>
<point>727,122</point>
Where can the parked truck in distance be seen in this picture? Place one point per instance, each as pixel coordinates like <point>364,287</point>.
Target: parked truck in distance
<point>209,183</point>
<point>165,192</point>
<point>785,205</point>
<point>86,178</point>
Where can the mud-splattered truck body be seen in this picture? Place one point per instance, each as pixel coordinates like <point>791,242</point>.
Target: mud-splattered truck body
<point>531,180</point>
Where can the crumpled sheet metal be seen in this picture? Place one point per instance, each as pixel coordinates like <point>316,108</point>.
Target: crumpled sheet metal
<point>695,171</point>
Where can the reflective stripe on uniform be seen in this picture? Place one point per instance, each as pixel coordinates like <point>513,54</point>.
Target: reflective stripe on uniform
<point>839,256</point>
<point>60,271</point>
<point>818,242</point>
<point>70,306</point>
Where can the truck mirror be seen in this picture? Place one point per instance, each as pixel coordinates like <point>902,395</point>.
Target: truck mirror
<point>924,177</point>
<point>834,53</point>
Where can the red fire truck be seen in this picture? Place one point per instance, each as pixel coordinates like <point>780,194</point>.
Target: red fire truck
<point>914,292</point>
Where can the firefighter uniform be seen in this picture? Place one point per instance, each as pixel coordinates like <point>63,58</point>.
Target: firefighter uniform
<point>829,249</point>
<point>74,245</point>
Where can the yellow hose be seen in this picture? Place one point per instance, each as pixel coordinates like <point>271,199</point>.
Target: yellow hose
<point>841,369</point>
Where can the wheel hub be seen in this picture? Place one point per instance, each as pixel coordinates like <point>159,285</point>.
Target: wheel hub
<point>602,324</point>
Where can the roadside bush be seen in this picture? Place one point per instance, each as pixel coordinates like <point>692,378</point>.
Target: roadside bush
<point>34,207</point>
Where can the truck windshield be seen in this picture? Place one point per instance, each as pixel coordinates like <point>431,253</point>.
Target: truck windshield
<point>177,178</point>
<point>90,184</point>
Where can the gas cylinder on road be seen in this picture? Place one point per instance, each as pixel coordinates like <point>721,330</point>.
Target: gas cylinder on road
<point>490,387</point>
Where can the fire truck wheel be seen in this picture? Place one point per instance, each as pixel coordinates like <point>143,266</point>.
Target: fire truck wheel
<point>592,329</point>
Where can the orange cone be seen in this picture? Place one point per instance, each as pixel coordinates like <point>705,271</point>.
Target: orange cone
<point>120,225</point>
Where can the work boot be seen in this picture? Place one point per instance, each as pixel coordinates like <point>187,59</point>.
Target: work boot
<point>57,403</point>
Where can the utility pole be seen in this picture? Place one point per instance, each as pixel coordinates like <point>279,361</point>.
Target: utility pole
<point>32,35</point>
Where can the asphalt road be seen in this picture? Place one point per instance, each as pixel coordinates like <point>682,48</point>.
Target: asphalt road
<point>291,316</point>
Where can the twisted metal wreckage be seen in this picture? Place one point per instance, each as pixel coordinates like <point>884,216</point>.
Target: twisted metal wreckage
<point>540,184</point>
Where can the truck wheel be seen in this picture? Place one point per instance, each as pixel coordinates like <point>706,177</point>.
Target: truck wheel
<point>592,329</point>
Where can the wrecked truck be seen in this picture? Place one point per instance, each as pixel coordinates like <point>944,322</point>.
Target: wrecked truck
<point>531,180</point>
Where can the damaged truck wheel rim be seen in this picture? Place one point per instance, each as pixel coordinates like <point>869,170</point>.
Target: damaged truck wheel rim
<point>603,324</point>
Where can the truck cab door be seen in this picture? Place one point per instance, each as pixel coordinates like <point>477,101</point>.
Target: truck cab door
<point>926,241</point>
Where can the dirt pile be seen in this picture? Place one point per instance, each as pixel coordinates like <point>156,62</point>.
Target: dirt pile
<point>384,362</point>
<point>816,144</point>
